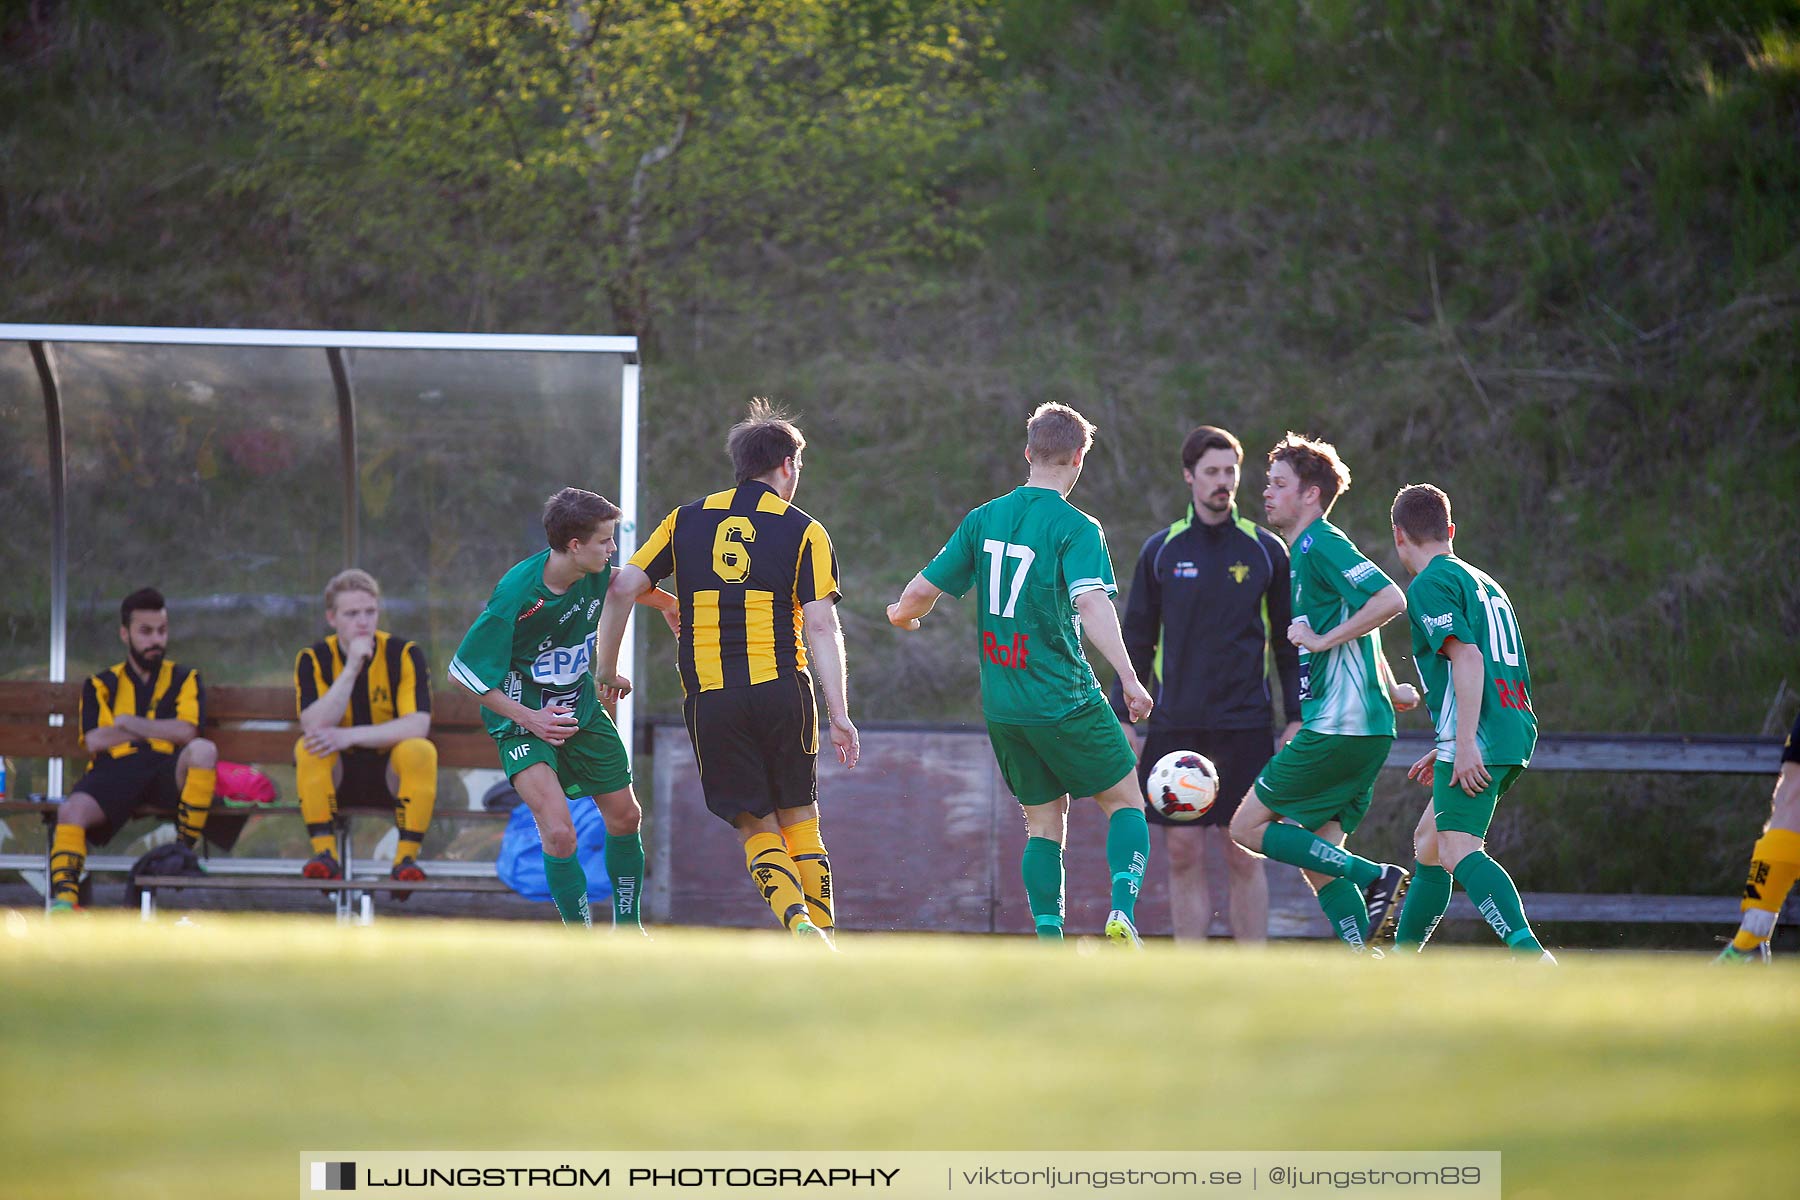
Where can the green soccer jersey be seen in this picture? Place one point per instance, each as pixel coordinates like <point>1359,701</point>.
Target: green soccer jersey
<point>1029,554</point>
<point>1449,599</point>
<point>534,645</point>
<point>1340,689</point>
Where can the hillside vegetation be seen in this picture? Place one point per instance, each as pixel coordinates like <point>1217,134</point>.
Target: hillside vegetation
<point>1540,252</point>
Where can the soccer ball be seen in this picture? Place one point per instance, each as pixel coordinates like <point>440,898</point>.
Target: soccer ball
<point>1183,785</point>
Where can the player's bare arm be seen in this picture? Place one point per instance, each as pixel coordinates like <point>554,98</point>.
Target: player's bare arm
<point>325,712</point>
<point>1403,696</point>
<point>1100,621</point>
<point>136,728</point>
<point>555,723</point>
<point>1378,610</point>
<point>1468,676</point>
<point>825,640</point>
<point>919,598</point>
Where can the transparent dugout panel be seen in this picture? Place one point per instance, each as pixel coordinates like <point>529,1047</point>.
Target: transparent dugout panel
<point>25,518</point>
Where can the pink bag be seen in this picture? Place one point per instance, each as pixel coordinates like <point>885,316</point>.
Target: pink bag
<point>239,784</point>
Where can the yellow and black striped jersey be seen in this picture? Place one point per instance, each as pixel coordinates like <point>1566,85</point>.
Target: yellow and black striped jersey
<point>174,694</point>
<point>392,684</point>
<point>743,562</point>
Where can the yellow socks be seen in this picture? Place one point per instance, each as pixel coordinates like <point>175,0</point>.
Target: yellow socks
<point>775,877</point>
<point>1774,864</point>
<point>415,762</point>
<point>68,854</point>
<point>807,850</point>
<point>318,796</point>
<point>196,799</point>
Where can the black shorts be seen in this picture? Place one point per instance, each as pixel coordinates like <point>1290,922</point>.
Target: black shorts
<point>121,785</point>
<point>757,746</point>
<point>364,782</point>
<point>1237,753</point>
<point>1790,752</point>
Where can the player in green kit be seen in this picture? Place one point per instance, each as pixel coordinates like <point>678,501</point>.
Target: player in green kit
<point>1465,639</point>
<point>527,657</point>
<point>1317,789</point>
<point>1042,575</point>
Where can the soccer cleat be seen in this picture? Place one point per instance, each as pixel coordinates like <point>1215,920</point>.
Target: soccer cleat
<point>406,870</point>
<point>1383,898</point>
<point>806,931</point>
<point>1121,932</point>
<point>1731,954</point>
<point>59,907</point>
<point>323,865</point>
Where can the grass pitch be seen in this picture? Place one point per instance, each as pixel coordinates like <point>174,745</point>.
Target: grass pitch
<point>198,1061</point>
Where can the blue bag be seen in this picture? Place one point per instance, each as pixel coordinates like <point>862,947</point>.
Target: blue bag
<point>521,862</point>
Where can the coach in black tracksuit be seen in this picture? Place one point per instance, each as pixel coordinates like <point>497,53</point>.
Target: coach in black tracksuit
<point>1206,593</point>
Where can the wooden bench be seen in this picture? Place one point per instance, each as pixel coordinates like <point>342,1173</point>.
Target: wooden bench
<point>249,725</point>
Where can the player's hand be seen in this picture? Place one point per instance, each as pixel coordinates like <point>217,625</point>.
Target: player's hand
<point>1287,735</point>
<point>1405,697</point>
<point>672,616</point>
<point>1421,771</point>
<point>1138,701</point>
<point>1469,773</point>
<point>323,743</point>
<point>555,723</point>
<point>1300,633</point>
<point>359,651</point>
<point>893,614</point>
<point>614,689</point>
<point>847,741</point>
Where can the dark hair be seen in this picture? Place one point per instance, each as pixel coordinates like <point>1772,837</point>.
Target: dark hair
<point>1056,433</point>
<point>762,441</point>
<point>1204,438</point>
<point>573,515</point>
<point>142,600</point>
<point>1422,513</point>
<point>1316,463</point>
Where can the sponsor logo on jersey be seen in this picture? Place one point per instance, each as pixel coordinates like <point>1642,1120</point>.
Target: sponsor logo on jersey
<point>1239,571</point>
<point>1305,544</point>
<point>564,619</point>
<point>560,666</point>
<point>594,608</point>
<point>1012,656</point>
<point>1360,572</point>
<point>1443,622</point>
<point>1186,570</point>
<point>536,604</point>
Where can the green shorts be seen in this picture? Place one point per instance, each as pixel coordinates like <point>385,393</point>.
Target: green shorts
<point>591,763</point>
<point>1082,755</point>
<point>1321,777</point>
<point>1459,812</point>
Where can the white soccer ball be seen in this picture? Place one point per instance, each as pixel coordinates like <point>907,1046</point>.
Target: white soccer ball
<point>1183,784</point>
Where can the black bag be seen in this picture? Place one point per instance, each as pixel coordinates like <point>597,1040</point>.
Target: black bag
<point>171,858</point>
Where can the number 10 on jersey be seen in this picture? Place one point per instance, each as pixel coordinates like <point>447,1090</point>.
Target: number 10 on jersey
<point>998,553</point>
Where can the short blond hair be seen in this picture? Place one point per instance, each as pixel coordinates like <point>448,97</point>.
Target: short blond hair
<point>1055,433</point>
<point>353,580</point>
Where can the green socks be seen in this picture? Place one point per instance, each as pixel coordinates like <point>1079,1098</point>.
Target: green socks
<point>625,867</point>
<point>1127,855</point>
<point>1297,847</point>
<point>1491,890</point>
<point>1348,913</point>
<point>1042,866</point>
<point>1426,901</point>
<point>568,888</point>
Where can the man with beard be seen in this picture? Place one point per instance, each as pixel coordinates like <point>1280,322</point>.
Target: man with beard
<point>140,722</point>
<point>1207,592</point>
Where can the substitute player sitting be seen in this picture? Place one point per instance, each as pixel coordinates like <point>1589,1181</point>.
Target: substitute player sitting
<point>365,717</point>
<point>140,721</point>
<point>528,658</point>
<point>1042,576</point>
<point>1316,791</point>
<point>1466,642</point>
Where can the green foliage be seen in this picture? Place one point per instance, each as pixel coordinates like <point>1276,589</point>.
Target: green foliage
<point>608,151</point>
